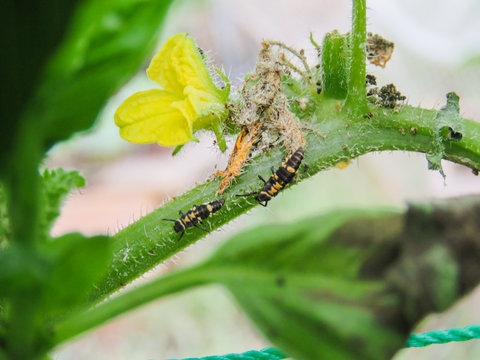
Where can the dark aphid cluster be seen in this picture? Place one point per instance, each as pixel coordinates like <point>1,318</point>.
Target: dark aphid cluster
<point>195,215</point>
<point>371,80</point>
<point>387,96</point>
<point>279,179</point>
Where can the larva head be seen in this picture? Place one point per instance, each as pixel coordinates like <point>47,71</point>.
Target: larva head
<point>263,196</point>
<point>178,226</point>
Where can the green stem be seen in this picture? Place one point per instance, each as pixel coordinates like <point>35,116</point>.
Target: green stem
<point>161,287</point>
<point>21,335</point>
<point>356,102</point>
<point>150,240</point>
<point>24,204</point>
<point>23,184</point>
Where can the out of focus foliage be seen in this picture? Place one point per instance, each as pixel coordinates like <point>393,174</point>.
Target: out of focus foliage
<point>62,60</point>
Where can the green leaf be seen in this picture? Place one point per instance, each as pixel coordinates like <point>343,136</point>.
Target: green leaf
<point>56,185</point>
<point>335,53</point>
<point>306,290</point>
<point>448,119</point>
<point>448,127</point>
<point>4,220</point>
<point>218,129</point>
<point>177,149</point>
<point>77,262</point>
<point>106,44</point>
<point>226,81</point>
<point>2,353</point>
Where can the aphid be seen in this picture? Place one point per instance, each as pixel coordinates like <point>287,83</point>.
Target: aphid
<point>279,179</point>
<point>371,80</point>
<point>195,215</point>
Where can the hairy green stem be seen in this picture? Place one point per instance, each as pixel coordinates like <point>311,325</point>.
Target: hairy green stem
<point>150,240</point>
<point>356,102</point>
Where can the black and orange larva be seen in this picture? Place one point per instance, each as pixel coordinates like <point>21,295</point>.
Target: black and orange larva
<point>195,215</point>
<point>279,179</point>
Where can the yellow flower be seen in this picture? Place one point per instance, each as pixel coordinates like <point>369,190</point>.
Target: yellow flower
<point>189,100</point>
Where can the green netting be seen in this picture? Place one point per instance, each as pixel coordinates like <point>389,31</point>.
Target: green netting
<point>415,340</point>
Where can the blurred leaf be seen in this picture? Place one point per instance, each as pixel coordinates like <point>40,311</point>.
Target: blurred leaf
<point>335,54</point>
<point>77,263</point>
<point>430,278</point>
<point>472,60</point>
<point>105,46</point>
<point>31,30</point>
<point>20,268</point>
<point>345,285</point>
<point>304,290</point>
<point>56,185</point>
<point>102,47</point>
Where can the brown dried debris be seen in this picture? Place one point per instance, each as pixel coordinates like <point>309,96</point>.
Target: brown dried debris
<point>379,50</point>
<point>264,114</point>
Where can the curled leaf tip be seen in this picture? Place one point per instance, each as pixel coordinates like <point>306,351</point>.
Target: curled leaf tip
<point>449,127</point>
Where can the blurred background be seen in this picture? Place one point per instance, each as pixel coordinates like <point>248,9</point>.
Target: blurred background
<point>437,50</point>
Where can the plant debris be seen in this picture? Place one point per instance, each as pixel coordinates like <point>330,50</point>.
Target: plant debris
<point>263,109</point>
<point>379,50</point>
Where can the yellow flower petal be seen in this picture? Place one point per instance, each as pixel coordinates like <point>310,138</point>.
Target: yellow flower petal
<point>148,116</point>
<point>202,101</point>
<point>189,101</point>
<point>179,64</point>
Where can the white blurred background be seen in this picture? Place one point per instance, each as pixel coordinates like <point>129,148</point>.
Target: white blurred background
<point>437,50</point>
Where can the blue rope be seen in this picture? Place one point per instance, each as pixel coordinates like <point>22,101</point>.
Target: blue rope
<point>415,340</point>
